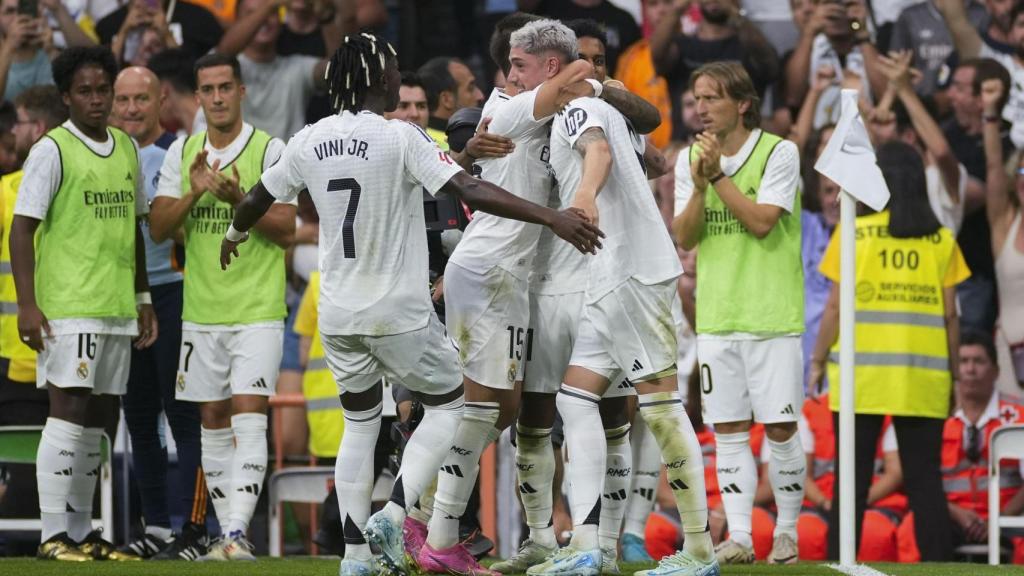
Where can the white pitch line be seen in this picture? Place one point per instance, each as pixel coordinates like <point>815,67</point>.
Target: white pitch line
<point>856,570</point>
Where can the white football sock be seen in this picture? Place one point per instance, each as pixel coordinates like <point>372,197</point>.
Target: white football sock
<point>646,472</point>
<point>459,471</point>
<point>83,483</point>
<point>218,446</point>
<point>737,481</point>
<point>248,468</point>
<point>160,532</point>
<point>423,509</point>
<point>787,471</point>
<point>55,459</point>
<point>684,464</point>
<point>535,462</point>
<point>586,445</point>
<point>353,478</point>
<point>423,455</point>
<point>617,476</point>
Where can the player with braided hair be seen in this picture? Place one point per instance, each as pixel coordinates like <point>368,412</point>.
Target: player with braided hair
<point>376,318</point>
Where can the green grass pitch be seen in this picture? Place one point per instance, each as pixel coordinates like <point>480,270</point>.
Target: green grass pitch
<point>329,567</point>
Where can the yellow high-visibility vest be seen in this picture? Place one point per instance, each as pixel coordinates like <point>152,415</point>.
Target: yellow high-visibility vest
<point>901,349</point>
<point>323,408</point>
<point>23,359</point>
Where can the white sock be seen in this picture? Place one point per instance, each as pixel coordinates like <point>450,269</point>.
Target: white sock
<point>684,464</point>
<point>423,509</point>
<point>587,448</point>
<point>459,471</point>
<point>218,446</point>
<point>424,453</point>
<point>248,468</point>
<point>787,470</point>
<point>83,483</point>
<point>54,466</point>
<point>617,477</point>
<point>646,472</point>
<point>160,532</point>
<point>737,481</point>
<point>353,478</point>
<point>535,462</point>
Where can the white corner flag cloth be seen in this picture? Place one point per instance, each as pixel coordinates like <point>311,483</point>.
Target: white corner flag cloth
<point>849,158</point>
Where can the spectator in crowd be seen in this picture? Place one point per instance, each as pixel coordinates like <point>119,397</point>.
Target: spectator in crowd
<point>981,410</point>
<point>722,35</point>
<point>998,32</point>
<point>143,33</point>
<point>1003,207</point>
<point>80,292</point>
<point>635,70</point>
<point>969,44</point>
<point>412,101</point>
<point>39,109</point>
<point>450,86</point>
<point>775,19</point>
<point>946,178</point>
<point>23,58</point>
<point>179,110</point>
<point>829,37</point>
<point>153,374</point>
<point>921,29</point>
<point>232,332</point>
<point>902,247</point>
<point>620,27</point>
<point>278,87</point>
<point>193,27</point>
<point>977,295</point>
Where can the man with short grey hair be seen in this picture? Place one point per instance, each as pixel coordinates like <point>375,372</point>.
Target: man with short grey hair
<point>487,305</point>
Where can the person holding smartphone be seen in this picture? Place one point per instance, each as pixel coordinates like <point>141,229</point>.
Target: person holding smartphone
<point>23,61</point>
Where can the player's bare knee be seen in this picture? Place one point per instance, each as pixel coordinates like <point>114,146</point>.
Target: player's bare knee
<point>780,431</point>
<point>733,427</point>
<point>216,415</point>
<point>242,403</point>
<point>438,399</point>
<point>537,410</point>
<point>583,379</point>
<point>613,412</point>
<point>69,404</point>
<point>102,412</point>
<point>362,401</point>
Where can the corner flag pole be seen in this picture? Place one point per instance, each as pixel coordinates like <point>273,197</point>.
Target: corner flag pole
<point>847,271</point>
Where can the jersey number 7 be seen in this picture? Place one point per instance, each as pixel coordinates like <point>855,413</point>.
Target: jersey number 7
<point>348,237</point>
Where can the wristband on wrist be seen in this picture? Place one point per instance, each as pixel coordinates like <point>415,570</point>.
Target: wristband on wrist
<point>714,179</point>
<point>598,87</point>
<point>994,118</point>
<point>143,298</point>
<point>234,235</point>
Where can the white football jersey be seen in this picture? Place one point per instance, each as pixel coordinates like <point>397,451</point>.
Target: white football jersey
<point>365,174</point>
<point>637,243</point>
<point>490,240</point>
<point>558,267</point>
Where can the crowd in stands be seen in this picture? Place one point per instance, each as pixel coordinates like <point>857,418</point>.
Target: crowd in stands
<point>945,77</point>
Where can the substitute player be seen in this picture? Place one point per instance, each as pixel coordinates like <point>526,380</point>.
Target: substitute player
<point>376,317</point>
<point>79,265</point>
<point>233,330</point>
<point>736,198</point>
<point>626,327</point>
